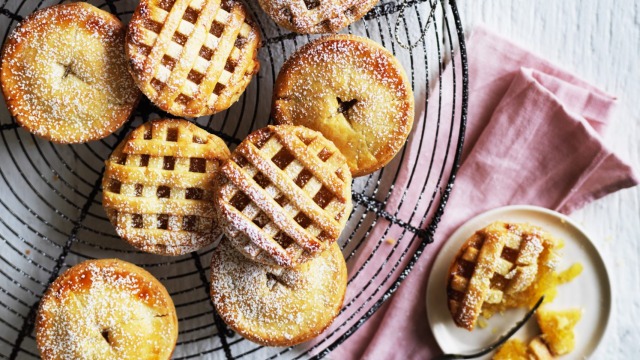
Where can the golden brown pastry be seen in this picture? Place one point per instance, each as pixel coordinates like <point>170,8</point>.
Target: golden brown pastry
<point>106,309</point>
<point>494,266</point>
<point>316,16</point>
<point>64,74</point>
<point>276,306</point>
<point>192,58</point>
<point>158,187</point>
<point>538,350</point>
<point>284,195</point>
<point>354,92</point>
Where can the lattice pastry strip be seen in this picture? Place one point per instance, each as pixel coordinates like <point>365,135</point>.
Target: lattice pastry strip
<point>285,195</point>
<point>158,187</point>
<point>497,261</point>
<point>251,211</point>
<point>192,58</point>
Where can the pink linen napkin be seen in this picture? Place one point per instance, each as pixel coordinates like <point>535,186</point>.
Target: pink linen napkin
<point>533,137</point>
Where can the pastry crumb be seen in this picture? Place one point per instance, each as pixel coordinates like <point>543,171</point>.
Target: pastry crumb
<point>482,323</point>
<point>391,241</point>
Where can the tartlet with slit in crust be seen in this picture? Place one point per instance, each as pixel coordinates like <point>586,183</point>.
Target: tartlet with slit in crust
<point>273,305</point>
<point>354,92</point>
<point>192,58</point>
<point>284,195</point>
<point>158,187</point>
<point>64,74</point>
<point>106,309</point>
<point>316,16</point>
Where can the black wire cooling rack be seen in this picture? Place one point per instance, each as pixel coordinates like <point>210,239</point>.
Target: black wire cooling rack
<point>51,215</point>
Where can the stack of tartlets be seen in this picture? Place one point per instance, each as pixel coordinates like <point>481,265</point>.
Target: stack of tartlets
<point>192,58</point>
<point>283,197</point>
<point>343,106</point>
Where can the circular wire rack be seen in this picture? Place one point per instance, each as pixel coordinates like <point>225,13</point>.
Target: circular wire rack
<point>51,215</point>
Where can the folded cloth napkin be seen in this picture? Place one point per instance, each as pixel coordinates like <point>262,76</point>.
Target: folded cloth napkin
<point>533,137</point>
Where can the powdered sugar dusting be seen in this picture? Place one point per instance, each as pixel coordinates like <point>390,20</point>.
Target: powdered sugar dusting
<point>277,306</point>
<point>192,58</point>
<point>106,309</point>
<point>64,74</point>
<point>158,187</point>
<point>354,92</point>
<point>316,16</point>
<point>286,192</point>
<point>496,264</point>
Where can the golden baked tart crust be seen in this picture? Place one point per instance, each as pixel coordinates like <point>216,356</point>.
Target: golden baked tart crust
<point>494,266</point>
<point>192,58</point>
<point>276,306</point>
<point>316,16</point>
<point>284,195</point>
<point>158,187</point>
<point>106,309</point>
<point>353,91</point>
<point>64,74</point>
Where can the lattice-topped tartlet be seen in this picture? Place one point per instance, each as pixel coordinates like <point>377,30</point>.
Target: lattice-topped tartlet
<point>192,58</point>
<point>158,187</point>
<point>284,195</point>
<point>316,16</point>
<point>499,267</point>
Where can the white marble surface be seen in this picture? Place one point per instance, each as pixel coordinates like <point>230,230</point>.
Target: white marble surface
<point>600,42</point>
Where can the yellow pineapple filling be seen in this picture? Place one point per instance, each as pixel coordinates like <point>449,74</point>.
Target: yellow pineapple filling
<point>546,283</point>
<point>557,337</point>
<point>482,323</point>
<point>557,329</point>
<point>538,278</point>
<point>513,349</point>
<point>557,326</point>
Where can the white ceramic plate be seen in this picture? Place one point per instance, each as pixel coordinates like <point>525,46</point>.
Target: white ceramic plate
<point>591,290</point>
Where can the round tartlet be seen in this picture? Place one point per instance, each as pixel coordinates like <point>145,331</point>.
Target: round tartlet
<point>193,58</point>
<point>317,16</point>
<point>284,195</point>
<point>106,309</point>
<point>158,187</point>
<point>354,92</point>
<point>276,306</point>
<point>64,74</point>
